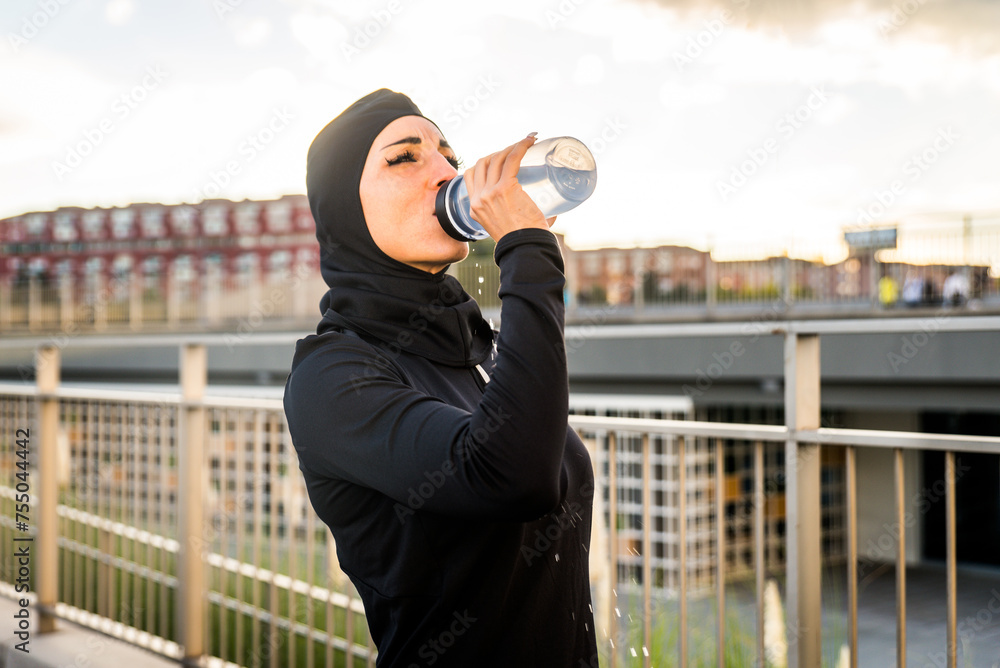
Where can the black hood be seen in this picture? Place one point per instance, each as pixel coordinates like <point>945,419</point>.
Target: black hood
<point>408,309</point>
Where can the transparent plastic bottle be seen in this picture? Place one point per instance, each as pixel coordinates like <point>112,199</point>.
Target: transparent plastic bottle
<point>558,174</point>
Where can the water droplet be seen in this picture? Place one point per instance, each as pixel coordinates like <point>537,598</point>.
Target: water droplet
<point>645,652</point>
<point>557,556</point>
<point>481,279</point>
<point>618,612</point>
<point>634,653</point>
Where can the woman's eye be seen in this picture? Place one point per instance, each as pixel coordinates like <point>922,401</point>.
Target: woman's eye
<point>405,156</point>
<point>455,162</point>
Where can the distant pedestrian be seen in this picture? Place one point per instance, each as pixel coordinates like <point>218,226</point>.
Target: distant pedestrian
<point>887,291</point>
<point>913,289</point>
<point>956,289</point>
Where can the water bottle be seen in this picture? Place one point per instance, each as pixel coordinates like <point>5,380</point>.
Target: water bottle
<point>558,174</point>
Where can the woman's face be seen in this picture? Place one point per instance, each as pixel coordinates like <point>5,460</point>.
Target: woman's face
<point>406,165</point>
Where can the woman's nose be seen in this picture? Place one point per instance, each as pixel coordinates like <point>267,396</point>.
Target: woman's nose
<point>442,171</point>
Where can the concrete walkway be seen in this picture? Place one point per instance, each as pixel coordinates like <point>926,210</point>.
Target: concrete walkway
<point>71,646</point>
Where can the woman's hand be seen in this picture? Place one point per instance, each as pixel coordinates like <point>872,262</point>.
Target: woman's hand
<point>496,199</point>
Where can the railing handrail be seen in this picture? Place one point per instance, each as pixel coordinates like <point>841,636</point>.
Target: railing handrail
<point>660,427</point>
<point>939,320</point>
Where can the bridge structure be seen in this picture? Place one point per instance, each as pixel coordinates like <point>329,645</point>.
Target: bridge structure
<point>800,450</point>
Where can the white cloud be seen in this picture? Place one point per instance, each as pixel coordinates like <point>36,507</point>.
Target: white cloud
<point>250,32</point>
<point>118,12</point>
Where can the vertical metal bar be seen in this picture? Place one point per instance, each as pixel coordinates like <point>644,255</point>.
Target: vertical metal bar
<point>311,579</point>
<point>900,559</point>
<point>191,496</point>
<point>613,542</point>
<point>349,616</point>
<point>950,528</point>
<point>104,576</point>
<point>760,554</point>
<point>149,450</point>
<point>278,435</point>
<point>272,534</point>
<point>221,449</point>
<point>47,363</point>
<point>852,554</point>
<point>258,512</point>
<point>682,547</point>
<point>720,551</point>
<point>116,543</point>
<point>647,550</point>
<point>240,581</point>
<point>93,495</point>
<point>163,451</point>
<point>804,518</point>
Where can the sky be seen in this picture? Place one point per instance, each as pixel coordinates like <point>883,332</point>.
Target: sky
<point>714,123</point>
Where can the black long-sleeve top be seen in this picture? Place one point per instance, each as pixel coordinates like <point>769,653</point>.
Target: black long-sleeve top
<point>459,499</point>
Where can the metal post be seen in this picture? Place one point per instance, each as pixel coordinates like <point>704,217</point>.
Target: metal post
<point>900,494</point>
<point>720,551</point>
<point>34,303</point>
<point>613,544</point>
<point>135,286</point>
<point>711,279</point>
<point>191,465</point>
<point>950,521</point>
<point>852,555</point>
<point>66,304</point>
<point>47,362</point>
<point>803,521</point>
<point>682,549</point>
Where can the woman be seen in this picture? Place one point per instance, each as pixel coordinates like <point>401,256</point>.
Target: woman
<point>459,499</point>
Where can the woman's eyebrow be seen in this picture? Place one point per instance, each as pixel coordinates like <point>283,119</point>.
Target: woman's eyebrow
<point>414,140</point>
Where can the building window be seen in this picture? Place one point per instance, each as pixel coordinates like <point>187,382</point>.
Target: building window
<point>121,223</point>
<point>213,222</point>
<point>93,224</point>
<point>34,224</point>
<point>246,218</point>
<point>279,216</point>
<point>182,219</point>
<point>153,226</point>
<point>63,228</point>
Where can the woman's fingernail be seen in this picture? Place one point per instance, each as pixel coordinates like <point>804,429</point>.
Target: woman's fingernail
<point>532,134</point>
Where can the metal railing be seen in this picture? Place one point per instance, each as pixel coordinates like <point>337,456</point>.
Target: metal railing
<point>180,522</point>
<point>650,284</point>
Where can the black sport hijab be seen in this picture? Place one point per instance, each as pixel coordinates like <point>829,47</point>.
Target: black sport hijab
<point>408,309</point>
